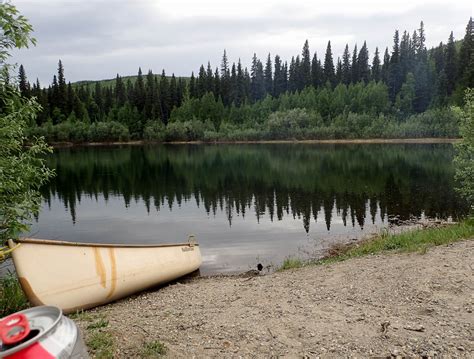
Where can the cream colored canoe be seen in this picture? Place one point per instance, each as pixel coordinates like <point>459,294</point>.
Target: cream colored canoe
<point>75,276</point>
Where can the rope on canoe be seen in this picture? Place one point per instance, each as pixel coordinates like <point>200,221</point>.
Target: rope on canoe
<point>5,251</point>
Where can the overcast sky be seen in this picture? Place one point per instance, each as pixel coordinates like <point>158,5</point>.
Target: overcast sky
<point>97,39</point>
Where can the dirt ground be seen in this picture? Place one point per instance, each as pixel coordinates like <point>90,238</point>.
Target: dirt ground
<point>397,305</point>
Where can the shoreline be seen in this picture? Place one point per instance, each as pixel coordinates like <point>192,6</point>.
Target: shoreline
<point>427,140</point>
<point>388,304</point>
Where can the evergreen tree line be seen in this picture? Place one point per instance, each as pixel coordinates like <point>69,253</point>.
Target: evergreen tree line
<point>407,91</point>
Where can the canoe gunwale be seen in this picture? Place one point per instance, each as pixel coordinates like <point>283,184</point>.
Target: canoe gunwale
<point>107,245</point>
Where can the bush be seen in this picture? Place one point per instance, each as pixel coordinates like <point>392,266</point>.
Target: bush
<point>291,124</point>
<point>154,131</point>
<point>185,131</point>
<point>465,151</point>
<point>108,131</point>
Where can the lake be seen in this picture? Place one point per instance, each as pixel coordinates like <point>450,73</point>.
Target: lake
<point>245,203</point>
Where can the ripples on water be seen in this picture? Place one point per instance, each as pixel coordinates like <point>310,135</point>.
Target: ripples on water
<point>245,203</point>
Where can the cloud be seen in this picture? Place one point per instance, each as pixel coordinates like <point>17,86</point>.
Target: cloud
<point>97,39</point>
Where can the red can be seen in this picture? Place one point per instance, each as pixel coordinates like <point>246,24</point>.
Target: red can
<point>40,333</point>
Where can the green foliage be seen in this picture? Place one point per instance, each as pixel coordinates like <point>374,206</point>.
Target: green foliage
<point>154,131</point>
<point>12,298</point>
<point>291,263</point>
<point>99,339</point>
<point>22,168</point>
<point>16,31</point>
<point>291,124</point>
<point>465,150</point>
<point>108,131</point>
<point>100,323</point>
<point>418,240</point>
<point>154,349</point>
<point>101,344</point>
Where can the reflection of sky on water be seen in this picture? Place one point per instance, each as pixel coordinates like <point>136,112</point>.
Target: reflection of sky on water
<point>224,248</point>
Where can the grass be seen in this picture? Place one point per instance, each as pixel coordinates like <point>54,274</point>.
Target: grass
<point>99,339</point>
<point>154,349</point>
<point>418,240</point>
<point>12,298</point>
<point>291,263</point>
<point>101,323</point>
<point>101,343</point>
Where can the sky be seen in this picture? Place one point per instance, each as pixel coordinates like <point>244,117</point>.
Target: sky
<point>96,39</point>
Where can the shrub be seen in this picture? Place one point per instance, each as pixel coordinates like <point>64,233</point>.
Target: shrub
<point>108,131</point>
<point>154,131</point>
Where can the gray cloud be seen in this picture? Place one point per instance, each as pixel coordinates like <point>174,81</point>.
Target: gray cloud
<point>97,39</point>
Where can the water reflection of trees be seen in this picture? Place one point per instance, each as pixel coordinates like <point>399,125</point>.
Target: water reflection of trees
<point>304,181</point>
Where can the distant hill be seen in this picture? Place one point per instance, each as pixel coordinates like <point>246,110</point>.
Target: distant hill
<point>111,82</point>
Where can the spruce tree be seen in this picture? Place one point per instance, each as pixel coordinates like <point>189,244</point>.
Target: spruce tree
<point>254,86</point>
<point>376,69</point>
<point>316,71</point>
<point>242,85</point>
<point>225,80</point>
<point>305,67</point>
<point>279,81</point>
<point>395,78</point>
<point>165,98</point>
<point>405,50</point>
<point>421,51</point>
<point>209,78</point>
<point>149,96</point>
<point>139,91</point>
<point>292,76</point>
<point>99,101</point>
<point>346,66</point>
<point>450,67</point>
<point>53,93</point>
<point>363,64</point>
<point>62,89</point>
<point>438,57</point>
<point>441,86</point>
<point>298,74</point>
<point>217,84</point>
<point>181,90</point>
<point>201,82</point>
<point>466,58</point>
<point>120,95</point>
<point>355,66</point>
<point>339,71</point>
<point>70,98</point>
<point>268,76</point>
<point>23,83</point>
<point>233,84</point>
<point>386,66</point>
<point>192,86</point>
<point>173,90</point>
<point>329,75</point>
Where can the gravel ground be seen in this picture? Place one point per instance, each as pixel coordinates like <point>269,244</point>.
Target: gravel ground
<point>396,305</point>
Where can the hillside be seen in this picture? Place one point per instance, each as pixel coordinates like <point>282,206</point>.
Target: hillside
<point>90,84</point>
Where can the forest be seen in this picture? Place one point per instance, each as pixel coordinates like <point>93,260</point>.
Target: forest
<point>408,91</point>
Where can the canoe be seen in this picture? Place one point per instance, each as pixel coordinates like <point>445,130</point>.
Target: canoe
<point>75,276</point>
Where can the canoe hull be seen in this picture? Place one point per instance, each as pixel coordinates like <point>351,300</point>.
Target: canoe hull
<point>74,277</point>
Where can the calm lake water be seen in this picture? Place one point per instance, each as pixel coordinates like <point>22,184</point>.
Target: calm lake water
<point>246,204</point>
